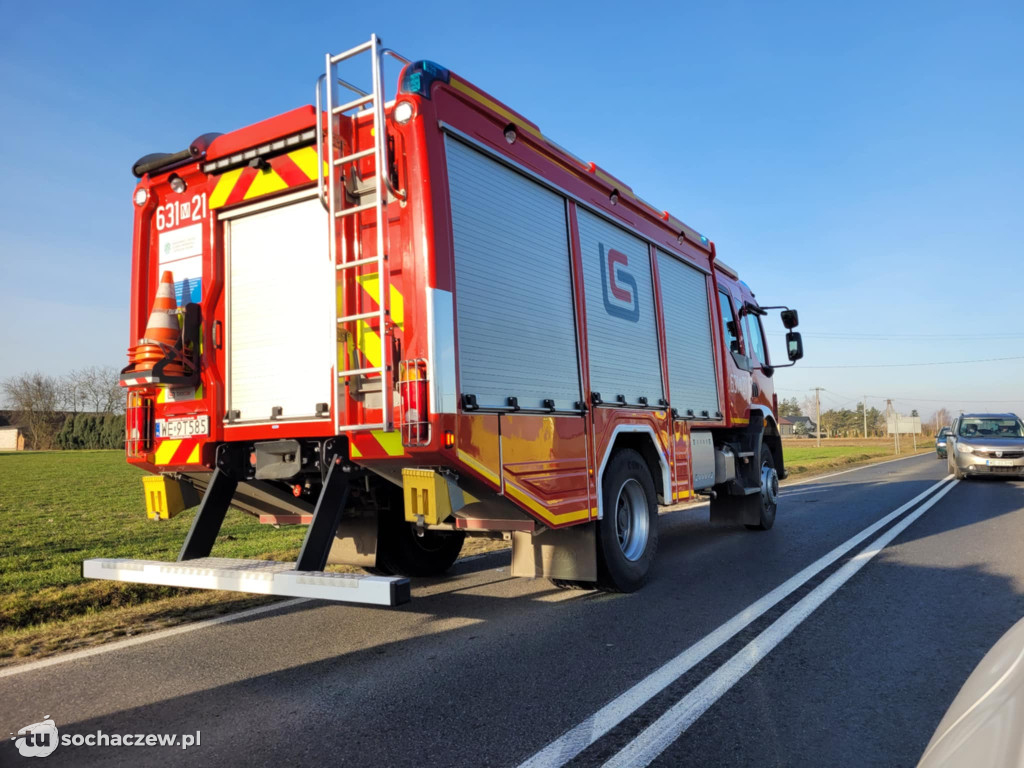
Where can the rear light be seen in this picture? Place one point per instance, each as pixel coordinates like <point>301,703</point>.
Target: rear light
<point>412,386</point>
<point>449,439</point>
<point>138,422</point>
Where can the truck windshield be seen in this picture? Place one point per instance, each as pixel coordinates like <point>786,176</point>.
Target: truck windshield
<point>990,428</point>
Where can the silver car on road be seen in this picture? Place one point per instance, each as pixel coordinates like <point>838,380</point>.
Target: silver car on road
<point>986,444</point>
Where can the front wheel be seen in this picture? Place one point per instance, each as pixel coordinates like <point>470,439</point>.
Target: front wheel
<point>627,533</point>
<point>955,470</point>
<point>760,506</point>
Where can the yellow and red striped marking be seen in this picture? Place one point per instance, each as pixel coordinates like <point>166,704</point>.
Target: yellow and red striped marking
<point>177,452</point>
<point>293,169</point>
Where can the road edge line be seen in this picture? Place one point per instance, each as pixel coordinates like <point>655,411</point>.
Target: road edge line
<point>148,637</point>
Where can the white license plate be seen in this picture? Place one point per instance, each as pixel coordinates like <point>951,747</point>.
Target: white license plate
<point>1000,462</point>
<point>190,427</point>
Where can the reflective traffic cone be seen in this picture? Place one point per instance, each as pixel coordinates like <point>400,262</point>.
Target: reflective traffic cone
<point>163,320</point>
<point>162,329</point>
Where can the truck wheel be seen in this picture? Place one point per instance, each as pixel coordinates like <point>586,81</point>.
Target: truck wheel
<point>400,552</point>
<point>759,506</point>
<point>767,500</point>
<point>627,534</point>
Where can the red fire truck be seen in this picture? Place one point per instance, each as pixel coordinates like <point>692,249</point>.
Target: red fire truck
<point>403,321</point>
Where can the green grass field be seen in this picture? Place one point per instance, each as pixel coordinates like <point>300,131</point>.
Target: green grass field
<point>804,456</point>
<point>59,508</point>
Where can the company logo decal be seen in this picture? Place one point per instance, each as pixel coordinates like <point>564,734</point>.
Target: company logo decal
<point>618,285</point>
<point>38,739</point>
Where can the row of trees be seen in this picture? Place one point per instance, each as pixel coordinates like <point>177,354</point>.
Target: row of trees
<point>91,431</point>
<point>844,422</point>
<point>42,404</point>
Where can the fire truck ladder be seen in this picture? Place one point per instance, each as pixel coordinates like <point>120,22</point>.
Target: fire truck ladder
<point>335,199</point>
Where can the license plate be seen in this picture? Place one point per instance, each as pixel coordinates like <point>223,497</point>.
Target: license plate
<point>190,427</point>
<point>1000,462</point>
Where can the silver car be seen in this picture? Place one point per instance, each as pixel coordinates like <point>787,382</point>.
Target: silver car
<point>986,444</point>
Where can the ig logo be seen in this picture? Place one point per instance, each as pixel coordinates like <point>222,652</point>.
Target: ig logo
<point>618,285</point>
<point>38,739</point>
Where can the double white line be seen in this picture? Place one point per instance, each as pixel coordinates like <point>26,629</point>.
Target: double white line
<point>667,728</point>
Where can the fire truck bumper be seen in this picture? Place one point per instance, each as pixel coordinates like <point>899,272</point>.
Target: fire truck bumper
<point>261,577</point>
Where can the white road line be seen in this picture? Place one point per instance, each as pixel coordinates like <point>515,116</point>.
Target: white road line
<point>149,637</point>
<point>667,728</point>
<point>575,740</point>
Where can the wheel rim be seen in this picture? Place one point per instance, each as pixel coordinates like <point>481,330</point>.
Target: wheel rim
<point>632,520</point>
<point>769,486</point>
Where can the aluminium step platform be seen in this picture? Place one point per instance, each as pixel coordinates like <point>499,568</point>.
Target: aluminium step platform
<point>262,577</point>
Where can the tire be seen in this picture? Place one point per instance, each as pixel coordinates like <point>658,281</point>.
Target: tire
<point>954,470</point>
<point>627,534</point>
<point>400,552</point>
<point>767,502</point>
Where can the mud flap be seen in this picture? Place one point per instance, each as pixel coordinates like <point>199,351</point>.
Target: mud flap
<point>355,542</point>
<point>565,553</point>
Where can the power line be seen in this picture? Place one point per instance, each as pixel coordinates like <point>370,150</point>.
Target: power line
<point>917,365</point>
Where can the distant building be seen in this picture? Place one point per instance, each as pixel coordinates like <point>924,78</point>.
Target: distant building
<point>788,426</point>
<point>12,439</point>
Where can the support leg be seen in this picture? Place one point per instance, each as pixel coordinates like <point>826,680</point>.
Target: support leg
<point>210,517</point>
<point>326,517</point>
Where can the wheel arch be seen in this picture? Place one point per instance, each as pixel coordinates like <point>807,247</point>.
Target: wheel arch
<point>642,439</point>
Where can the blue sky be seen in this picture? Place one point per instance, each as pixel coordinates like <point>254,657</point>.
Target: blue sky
<point>862,162</point>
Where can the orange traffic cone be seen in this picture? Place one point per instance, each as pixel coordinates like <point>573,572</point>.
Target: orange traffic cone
<point>162,329</point>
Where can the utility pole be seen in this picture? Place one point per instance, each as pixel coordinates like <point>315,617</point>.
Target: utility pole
<point>865,417</point>
<point>817,414</point>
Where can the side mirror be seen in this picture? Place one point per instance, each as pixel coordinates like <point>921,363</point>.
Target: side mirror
<point>790,319</point>
<point>794,345</point>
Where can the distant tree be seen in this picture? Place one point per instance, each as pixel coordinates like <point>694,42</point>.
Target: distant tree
<point>94,389</point>
<point>34,397</point>
<point>914,413</point>
<point>789,407</point>
<point>65,437</point>
<point>876,422</point>
<point>800,428</point>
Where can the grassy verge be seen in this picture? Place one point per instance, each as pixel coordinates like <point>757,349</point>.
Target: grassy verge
<point>803,457</point>
<point>60,508</point>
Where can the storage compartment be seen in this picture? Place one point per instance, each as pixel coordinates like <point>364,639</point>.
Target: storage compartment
<point>280,312</point>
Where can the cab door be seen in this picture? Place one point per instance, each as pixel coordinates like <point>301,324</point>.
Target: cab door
<point>738,367</point>
<point>757,357</point>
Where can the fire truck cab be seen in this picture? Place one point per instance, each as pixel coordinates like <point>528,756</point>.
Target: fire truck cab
<point>405,320</point>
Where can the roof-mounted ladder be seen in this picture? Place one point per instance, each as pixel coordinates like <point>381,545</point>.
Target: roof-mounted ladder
<point>335,200</point>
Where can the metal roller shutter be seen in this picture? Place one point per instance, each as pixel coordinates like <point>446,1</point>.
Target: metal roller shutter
<point>516,327</point>
<point>281,315</point>
<point>691,362</point>
<point>622,337</point>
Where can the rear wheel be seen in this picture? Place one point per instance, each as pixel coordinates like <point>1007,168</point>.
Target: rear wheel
<point>401,552</point>
<point>627,533</point>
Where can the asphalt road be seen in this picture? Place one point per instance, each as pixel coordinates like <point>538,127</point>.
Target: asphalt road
<point>746,648</point>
